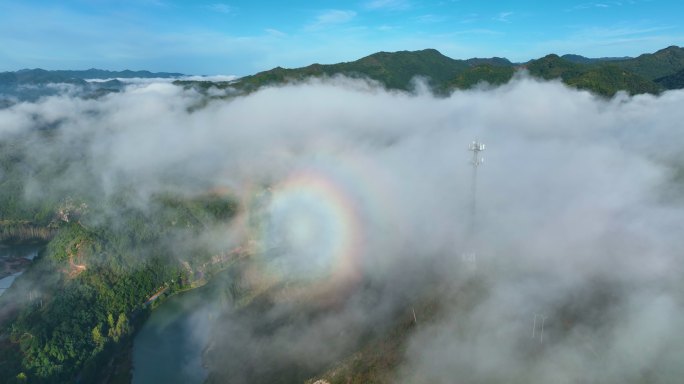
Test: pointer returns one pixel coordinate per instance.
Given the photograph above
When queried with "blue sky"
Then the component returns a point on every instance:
(243, 37)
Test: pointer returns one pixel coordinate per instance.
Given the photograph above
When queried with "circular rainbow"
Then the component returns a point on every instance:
(310, 229)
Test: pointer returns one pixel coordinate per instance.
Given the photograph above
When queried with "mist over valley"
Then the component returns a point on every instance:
(325, 227)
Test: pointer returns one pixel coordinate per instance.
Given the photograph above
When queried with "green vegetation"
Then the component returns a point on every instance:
(608, 79)
(394, 70)
(96, 280)
(76, 307)
(485, 73)
(674, 81)
(655, 65)
(31, 84)
(648, 73)
(553, 67)
(41, 76)
(577, 59)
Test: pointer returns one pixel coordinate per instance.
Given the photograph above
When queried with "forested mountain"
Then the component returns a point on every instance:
(652, 66)
(396, 70)
(674, 81)
(647, 73)
(31, 84)
(579, 59)
(42, 76)
(605, 78)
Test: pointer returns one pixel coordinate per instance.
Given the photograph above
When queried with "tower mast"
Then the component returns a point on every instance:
(470, 256)
(476, 148)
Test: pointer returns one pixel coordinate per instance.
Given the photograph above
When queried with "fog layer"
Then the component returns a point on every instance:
(579, 219)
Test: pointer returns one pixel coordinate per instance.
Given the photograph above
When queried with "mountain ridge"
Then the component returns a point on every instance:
(647, 73)
(37, 75)
(604, 76)
(30, 84)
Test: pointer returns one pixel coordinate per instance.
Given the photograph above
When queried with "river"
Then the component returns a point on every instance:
(14, 259)
(168, 348)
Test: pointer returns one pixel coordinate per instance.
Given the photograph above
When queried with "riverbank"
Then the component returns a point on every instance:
(121, 367)
(25, 232)
(15, 260)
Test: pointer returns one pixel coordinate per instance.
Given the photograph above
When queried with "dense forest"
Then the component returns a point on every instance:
(85, 294)
(648, 73)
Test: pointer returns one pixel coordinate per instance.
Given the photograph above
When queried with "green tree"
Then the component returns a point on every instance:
(97, 337)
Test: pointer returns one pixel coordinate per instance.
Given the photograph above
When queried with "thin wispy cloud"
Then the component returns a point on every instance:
(600, 5)
(275, 32)
(581, 7)
(615, 40)
(614, 32)
(156, 3)
(147, 3)
(431, 18)
(386, 28)
(388, 4)
(478, 31)
(331, 17)
(220, 8)
(503, 17)
(469, 18)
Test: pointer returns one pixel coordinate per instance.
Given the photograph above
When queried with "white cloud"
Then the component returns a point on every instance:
(210, 78)
(574, 216)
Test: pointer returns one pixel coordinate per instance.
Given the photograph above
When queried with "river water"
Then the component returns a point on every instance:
(14, 259)
(168, 348)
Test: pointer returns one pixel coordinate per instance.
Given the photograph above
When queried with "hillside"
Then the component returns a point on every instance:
(647, 73)
(41, 76)
(579, 59)
(80, 300)
(553, 67)
(605, 77)
(608, 79)
(652, 66)
(491, 74)
(396, 70)
(674, 81)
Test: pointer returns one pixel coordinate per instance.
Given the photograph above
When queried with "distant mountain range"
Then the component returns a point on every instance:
(648, 73)
(30, 84)
(41, 76)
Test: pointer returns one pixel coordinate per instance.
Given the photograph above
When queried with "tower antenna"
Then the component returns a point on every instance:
(476, 147)
(470, 256)
(535, 325)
